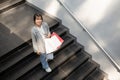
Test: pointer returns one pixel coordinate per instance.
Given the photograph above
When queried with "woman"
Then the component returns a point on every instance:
(39, 32)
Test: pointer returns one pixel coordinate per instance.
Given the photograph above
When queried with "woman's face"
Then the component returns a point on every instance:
(38, 21)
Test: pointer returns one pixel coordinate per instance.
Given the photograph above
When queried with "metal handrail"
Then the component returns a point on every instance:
(96, 42)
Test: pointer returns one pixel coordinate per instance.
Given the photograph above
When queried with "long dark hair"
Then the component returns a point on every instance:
(37, 15)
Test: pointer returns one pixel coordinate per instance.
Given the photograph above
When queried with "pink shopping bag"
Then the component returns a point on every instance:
(52, 44)
(59, 38)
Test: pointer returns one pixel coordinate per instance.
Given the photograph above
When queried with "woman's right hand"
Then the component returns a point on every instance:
(38, 52)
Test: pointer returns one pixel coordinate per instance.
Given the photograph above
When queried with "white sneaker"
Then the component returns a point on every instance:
(48, 69)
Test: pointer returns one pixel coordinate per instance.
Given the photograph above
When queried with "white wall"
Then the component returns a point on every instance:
(98, 18)
(101, 18)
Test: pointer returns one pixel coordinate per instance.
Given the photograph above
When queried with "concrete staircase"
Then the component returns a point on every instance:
(19, 62)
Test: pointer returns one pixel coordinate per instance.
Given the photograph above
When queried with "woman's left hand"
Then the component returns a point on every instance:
(49, 36)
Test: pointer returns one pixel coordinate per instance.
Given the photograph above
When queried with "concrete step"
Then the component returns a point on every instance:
(68, 40)
(14, 58)
(97, 74)
(69, 66)
(7, 4)
(19, 68)
(35, 61)
(60, 57)
(60, 30)
(83, 71)
(1, 1)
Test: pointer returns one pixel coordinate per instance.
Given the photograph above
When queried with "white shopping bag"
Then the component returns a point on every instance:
(53, 43)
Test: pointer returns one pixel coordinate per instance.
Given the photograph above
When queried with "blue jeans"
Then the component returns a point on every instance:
(43, 59)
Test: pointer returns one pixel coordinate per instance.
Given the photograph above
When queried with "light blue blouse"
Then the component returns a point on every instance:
(38, 35)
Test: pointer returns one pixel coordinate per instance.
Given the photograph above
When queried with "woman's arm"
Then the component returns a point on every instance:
(34, 42)
(48, 30)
